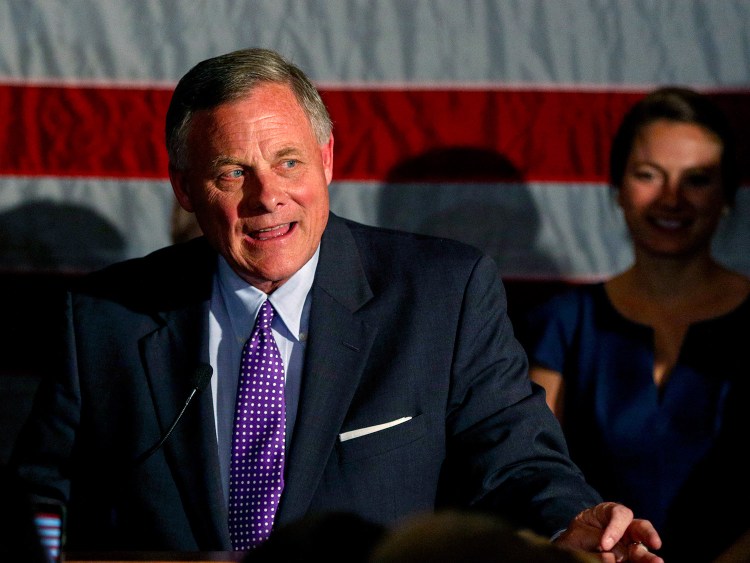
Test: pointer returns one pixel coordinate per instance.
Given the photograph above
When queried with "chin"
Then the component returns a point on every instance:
(674, 252)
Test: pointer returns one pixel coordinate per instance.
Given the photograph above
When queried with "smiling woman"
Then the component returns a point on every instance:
(647, 370)
(672, 194)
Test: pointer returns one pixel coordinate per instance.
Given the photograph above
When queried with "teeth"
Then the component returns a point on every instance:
(259, 232)
(668, 223)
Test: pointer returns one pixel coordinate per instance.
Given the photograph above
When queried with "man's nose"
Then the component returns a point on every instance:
(262, 191)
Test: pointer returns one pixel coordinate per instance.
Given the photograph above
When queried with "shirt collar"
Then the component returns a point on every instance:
(243, 301)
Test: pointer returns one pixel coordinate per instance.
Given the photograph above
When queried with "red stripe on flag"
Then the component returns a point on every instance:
(530, 135)
(99, 132)
(429, 135)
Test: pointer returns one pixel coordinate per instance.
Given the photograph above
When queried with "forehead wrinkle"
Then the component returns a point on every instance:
(233, 133)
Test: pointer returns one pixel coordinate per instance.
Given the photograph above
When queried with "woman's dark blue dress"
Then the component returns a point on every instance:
(675, 455)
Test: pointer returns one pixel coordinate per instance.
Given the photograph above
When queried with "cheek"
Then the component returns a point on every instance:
(631, 197)
(220, 205)
(710, 201)
(315, 200)
(217, 215)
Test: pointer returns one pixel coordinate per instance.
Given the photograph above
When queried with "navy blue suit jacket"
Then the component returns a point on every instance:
(401, 325)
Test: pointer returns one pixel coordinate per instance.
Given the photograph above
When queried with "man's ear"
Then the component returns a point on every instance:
(179, 182)
(326, 154)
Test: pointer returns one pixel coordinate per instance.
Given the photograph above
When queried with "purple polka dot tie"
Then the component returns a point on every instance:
(256, 476)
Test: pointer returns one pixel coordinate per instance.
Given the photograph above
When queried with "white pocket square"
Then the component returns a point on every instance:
(344, 436)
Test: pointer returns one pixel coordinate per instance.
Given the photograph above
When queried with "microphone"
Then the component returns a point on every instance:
(201, 377)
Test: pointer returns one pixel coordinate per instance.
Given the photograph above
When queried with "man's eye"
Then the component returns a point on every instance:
(289, 164)
(232, 174)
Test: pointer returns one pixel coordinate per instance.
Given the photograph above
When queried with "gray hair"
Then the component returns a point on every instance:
(228, 77)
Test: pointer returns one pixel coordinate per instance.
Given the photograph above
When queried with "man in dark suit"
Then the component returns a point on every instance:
(405, 389)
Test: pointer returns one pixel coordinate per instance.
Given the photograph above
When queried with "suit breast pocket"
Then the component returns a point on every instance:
(382, 441)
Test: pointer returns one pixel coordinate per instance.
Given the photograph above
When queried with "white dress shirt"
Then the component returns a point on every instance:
(233, 309)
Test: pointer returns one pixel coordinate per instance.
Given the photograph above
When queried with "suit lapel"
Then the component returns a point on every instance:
(338, 348)
(171, 355)
(337, 353)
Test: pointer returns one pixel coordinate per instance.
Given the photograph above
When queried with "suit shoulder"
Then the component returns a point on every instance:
(167, 272)
(407, 244)
(394, 260)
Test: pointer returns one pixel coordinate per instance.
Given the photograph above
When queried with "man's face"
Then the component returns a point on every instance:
(257, 180)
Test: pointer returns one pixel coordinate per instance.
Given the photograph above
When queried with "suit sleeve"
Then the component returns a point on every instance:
(43, 450)
(506, 452)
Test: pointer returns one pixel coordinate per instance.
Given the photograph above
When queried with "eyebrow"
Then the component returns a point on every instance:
(288, 151)
(220, 161)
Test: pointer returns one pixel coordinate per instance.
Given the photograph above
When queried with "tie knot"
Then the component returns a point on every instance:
(265, 316)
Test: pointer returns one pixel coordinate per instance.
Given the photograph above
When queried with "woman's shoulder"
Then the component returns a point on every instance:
(734, 302)
(573, 300)
(554, 328)
(562, 315)
(739, 286)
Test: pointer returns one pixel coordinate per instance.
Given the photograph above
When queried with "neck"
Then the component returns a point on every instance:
(668, 277)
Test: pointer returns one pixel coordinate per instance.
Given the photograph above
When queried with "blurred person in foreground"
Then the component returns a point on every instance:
(403, 386)
(470, 537)
(647, 371)
(432, 537)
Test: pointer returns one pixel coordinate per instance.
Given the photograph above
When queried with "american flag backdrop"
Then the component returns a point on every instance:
(483, 120)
